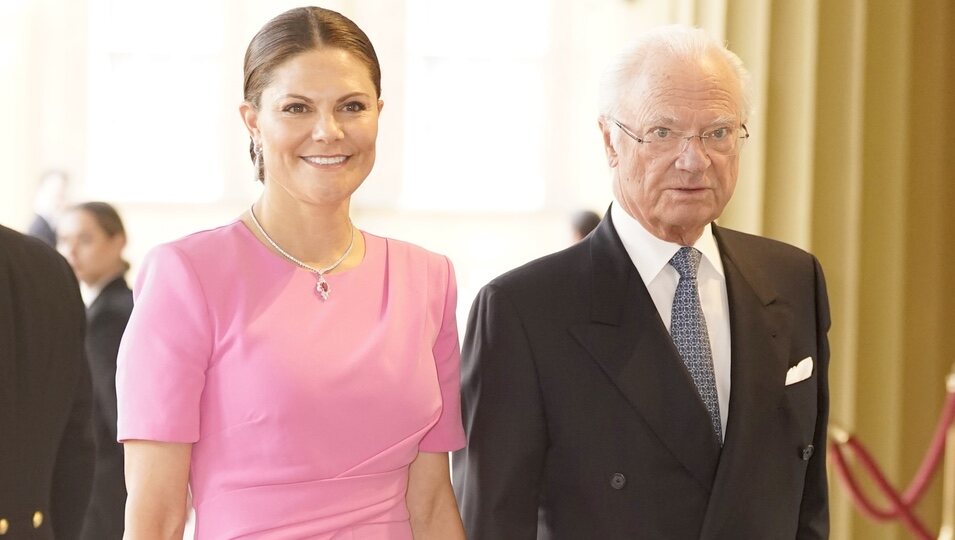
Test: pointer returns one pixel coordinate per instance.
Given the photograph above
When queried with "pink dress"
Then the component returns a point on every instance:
(305, 414)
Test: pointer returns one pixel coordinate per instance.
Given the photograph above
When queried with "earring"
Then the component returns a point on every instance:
(259, 172)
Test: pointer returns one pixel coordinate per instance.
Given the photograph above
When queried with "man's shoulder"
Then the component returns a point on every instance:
(548, 275)
(13, 241)
(759, 247)
(46, 288)
(32, 254)
(771, 265)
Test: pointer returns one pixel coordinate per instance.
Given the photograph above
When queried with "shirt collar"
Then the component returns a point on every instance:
(91, 292)
(650, 255)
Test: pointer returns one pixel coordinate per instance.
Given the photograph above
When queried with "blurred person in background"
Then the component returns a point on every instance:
(582, 222)
(48, 202)
(91, 236)
(46, 446)
(300, 375)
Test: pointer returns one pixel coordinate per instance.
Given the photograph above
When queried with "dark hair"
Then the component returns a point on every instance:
(105, 215)
(585, 221)
(297, 31)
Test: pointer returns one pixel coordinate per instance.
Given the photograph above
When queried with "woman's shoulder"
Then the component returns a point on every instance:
(210, 253)
(200, 242)
(404, 251)
(204, 246)
(410, 263)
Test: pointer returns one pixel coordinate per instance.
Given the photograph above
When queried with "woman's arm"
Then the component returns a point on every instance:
(434, 512)
(157, 476)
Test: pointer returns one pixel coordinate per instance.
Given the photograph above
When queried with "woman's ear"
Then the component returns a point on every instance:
(116, 244)
(250, 117)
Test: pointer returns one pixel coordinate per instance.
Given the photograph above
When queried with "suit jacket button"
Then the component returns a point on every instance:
(806, 452)
(617, 481)
(37, 519)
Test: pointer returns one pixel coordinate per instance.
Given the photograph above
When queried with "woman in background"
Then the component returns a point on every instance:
(300, 375)
(91, 236)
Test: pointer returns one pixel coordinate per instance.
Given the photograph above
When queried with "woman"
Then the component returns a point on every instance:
(91, 236)
(300, 373)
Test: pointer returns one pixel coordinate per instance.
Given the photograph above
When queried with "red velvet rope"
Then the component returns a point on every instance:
(900, 504)
(898, 509)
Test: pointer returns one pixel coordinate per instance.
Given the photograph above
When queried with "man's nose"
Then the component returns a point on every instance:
(693, 156)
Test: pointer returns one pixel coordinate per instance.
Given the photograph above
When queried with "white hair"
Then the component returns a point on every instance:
(677, 42)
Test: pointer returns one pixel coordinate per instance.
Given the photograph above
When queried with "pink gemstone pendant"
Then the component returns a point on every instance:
(321, 287)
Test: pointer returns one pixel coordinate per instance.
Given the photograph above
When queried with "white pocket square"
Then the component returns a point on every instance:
(800, 371)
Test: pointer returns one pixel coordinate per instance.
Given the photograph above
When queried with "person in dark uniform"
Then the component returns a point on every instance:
(582, 222)
(91, 236)
(46, 446)
(49, 202)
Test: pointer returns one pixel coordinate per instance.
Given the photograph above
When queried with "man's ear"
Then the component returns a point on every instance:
(608, 142)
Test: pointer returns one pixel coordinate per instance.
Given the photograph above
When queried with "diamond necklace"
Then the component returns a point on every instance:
(321, 286)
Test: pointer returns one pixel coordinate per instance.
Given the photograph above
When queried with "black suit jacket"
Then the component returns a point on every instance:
(46, 447)
(582, 421)
(41, 228)
(106, 320)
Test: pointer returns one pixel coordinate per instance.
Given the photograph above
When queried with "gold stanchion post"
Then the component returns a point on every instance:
(948, 479)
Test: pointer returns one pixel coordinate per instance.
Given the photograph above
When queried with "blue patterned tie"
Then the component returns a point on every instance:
(688, 330)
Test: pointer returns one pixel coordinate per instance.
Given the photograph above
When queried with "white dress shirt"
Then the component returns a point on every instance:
(651, 256)
(91, 292)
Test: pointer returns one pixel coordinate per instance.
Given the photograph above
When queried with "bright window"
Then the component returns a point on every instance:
(476, 102)
(156, 112)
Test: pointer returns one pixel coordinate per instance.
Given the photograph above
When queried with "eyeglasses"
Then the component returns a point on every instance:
(723, 141)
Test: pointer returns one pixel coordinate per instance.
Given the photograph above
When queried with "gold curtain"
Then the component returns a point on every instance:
(852, 158)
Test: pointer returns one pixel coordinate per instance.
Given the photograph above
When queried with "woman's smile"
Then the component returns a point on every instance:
(326, 162)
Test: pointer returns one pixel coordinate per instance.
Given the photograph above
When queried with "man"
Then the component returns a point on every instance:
(665, 378)
(46, 446)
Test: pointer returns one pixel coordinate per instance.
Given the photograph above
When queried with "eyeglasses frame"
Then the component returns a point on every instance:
(686, 138)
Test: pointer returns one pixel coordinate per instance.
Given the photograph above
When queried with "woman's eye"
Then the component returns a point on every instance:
(295, 108)
(354, 106)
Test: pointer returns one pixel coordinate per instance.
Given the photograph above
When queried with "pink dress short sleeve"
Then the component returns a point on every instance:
(304, 413)
(170, 331)
(448, 434)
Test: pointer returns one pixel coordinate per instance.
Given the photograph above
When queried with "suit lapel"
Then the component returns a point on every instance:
(631, 344)
(93, 311)
(759, 338)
